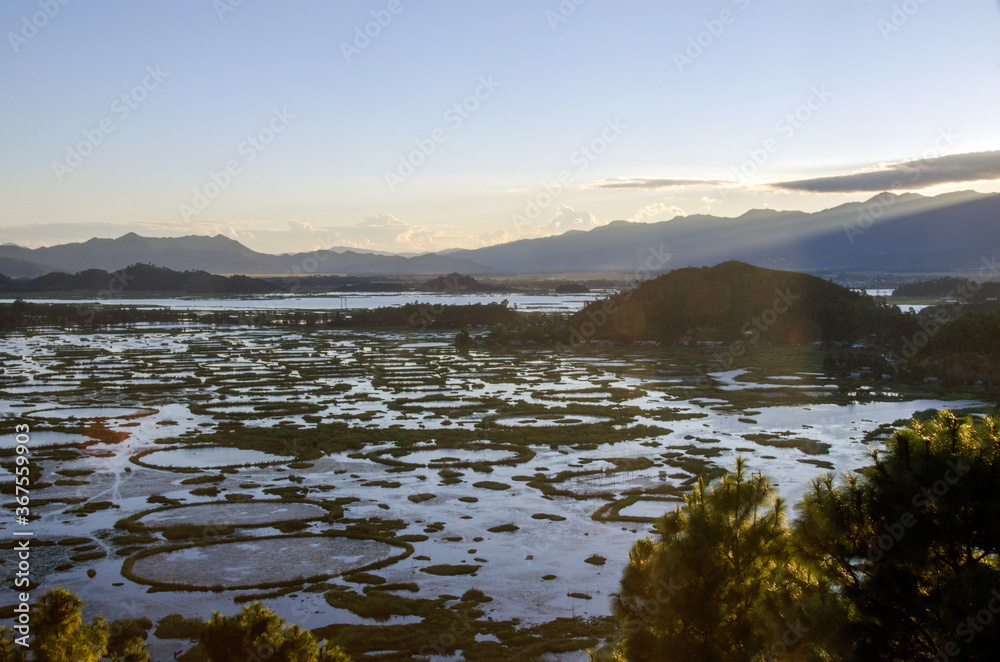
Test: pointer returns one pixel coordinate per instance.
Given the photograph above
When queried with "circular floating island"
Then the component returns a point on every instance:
(47, 438)
(206, 457)
(264, 562)
(467, 455)
(226, 513)
(90, 413)
(540, 420)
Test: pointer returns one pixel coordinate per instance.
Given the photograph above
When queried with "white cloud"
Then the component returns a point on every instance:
(656, 212)
(567, 218)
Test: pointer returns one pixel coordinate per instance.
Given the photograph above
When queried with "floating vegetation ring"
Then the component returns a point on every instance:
(185, 459)
(261, 562)
(90, 413)
(463, 456)
(591, 394)
(263, 409)
(612, 512)
(550, 420)
(525, 414)
(229, 513)
(438, 403)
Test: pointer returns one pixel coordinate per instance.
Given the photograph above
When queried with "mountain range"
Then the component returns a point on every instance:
(890, 233)
(218, 254)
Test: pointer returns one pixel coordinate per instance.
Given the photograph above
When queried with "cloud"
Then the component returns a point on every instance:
(382, 221)
(651, 183)
(658, 211)
(907, 175)
(567, 219)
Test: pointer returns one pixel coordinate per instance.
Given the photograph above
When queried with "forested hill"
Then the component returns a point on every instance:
(139, 278)
(737, 301)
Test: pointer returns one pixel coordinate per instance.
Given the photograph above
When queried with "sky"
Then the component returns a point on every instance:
(416, 126)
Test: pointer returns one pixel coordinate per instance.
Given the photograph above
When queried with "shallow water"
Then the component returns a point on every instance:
(234, 514)
(204, 457)
(261, 561)
(376, 379)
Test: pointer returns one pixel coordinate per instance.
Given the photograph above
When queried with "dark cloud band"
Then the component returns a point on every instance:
(652, 183)
(908, 175)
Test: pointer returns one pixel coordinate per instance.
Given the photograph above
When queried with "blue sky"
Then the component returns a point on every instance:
(534, 117)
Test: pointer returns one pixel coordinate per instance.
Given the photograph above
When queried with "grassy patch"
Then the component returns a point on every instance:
(364, 578)
(175, 626)
(548, 516)
(504, 528)
(491, 485)
(447, 570)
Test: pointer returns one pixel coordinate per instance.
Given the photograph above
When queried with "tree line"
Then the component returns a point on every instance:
(60, 634)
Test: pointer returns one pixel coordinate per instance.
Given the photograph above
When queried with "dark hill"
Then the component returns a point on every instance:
(453, 282)
(140, 278)
(736, 301)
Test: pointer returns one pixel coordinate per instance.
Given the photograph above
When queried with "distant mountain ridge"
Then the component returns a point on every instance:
(219, 255)
(890, 233)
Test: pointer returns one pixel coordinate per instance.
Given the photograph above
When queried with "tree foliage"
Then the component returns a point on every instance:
(697, 592)
(61, 635)
(913, 545)
(899, 563)
(257, 632)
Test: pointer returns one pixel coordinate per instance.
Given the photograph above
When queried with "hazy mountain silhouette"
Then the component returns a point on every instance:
(905, 233)
(219, 255)
(889, 233)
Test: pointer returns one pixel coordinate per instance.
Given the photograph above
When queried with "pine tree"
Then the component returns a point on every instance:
(257, 632)
(701, 591)
(10, 651)
(913, 545)
(60, 633)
